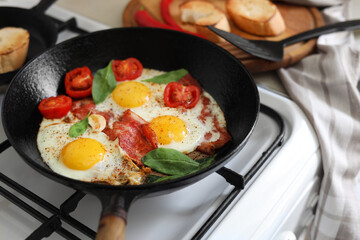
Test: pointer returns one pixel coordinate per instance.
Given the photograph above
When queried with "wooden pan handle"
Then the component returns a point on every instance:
(112, 225)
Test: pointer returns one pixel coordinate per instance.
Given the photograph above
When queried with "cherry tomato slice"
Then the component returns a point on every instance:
(176, 95)
(78, 82)
(128, 69)
(188, 80)
(55, 107)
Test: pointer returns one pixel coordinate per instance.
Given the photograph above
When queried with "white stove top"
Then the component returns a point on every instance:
(258, 212)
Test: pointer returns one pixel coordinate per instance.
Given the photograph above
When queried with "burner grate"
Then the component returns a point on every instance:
(70, 24)
(49, 224)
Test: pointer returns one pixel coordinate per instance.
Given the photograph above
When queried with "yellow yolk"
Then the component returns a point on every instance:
(82, 153)
(168, 129)
(131, 94)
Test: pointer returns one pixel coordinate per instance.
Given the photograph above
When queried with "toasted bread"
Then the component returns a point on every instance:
(259, 17)
(202, 13)
(14, 44)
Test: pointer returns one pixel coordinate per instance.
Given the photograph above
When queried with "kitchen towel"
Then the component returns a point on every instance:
(324, 85)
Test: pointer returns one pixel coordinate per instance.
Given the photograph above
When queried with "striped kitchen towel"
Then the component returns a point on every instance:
(324, 85)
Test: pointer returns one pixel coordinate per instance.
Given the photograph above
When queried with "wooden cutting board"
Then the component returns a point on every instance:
(297, 19)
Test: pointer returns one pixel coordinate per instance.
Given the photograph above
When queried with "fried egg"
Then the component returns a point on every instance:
(92, 157)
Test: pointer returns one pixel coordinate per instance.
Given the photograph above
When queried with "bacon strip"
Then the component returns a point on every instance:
(210, 147)
(205, 112)
(80, 108)
(135, 136)
(206, 146)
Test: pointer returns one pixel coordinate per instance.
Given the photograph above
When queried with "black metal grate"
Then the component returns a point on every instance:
(49, 224)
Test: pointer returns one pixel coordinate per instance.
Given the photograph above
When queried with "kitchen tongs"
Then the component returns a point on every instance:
(274, 50)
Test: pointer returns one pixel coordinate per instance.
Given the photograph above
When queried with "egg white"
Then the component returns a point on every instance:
(53, 137)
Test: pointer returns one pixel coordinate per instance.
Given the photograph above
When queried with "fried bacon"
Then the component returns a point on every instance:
(135, 136)
(207, 146)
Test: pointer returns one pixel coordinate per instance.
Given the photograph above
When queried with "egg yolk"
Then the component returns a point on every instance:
(82, 153)
(168, 129)
(131, 94)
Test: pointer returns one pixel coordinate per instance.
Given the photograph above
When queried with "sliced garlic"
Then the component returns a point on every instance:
(136, 178)
(97, 122)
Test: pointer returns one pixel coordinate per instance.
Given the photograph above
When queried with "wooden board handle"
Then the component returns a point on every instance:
(111, 227)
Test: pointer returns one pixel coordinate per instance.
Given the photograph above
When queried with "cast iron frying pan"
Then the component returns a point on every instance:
(221, 74)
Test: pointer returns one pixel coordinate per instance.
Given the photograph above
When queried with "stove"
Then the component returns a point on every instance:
(267, 191)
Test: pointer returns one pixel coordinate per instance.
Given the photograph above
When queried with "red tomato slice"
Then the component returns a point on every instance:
(55, 107)
(188, 80)
(128, 69)
(176, 95)
(78, 82)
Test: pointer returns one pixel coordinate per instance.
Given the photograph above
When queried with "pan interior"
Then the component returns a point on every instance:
(218, 72)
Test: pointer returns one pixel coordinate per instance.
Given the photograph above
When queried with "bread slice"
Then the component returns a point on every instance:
(259, 17)
(14, 44)
(202, 13)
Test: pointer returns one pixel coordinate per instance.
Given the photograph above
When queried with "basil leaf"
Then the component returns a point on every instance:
(151, 157)
(80, 127)
(103, 84)
(170, 162)
(172, 76)
(152, 178)
(205, 162)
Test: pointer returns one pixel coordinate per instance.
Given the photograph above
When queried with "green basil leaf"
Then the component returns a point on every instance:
(152, 178)
(103, 84)
(172, 76)
(205, 162)
(170, 162)
(80, 127)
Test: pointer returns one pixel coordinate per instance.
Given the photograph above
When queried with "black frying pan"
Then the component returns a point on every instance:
(43, 31)
(221, 74)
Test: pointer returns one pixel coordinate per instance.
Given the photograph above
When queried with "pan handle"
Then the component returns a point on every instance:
(112, 225)
(4, 145)
(43, 5)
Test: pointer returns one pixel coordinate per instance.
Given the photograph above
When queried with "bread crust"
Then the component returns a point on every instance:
(14, 45)
(202, 13)
(267, 21)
